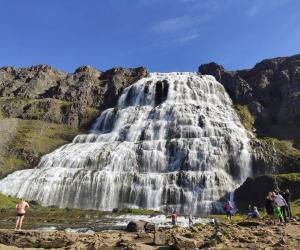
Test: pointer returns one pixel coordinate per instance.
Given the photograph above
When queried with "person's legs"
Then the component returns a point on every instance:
(289, 210)
(283, 211)
(17, 222)
(21, 221)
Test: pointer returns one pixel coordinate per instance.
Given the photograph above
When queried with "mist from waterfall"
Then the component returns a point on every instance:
(173, 141)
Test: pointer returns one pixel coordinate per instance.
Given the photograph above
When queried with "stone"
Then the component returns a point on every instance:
(136, 226)
(182, 242)
(150, 227)
(160, 238)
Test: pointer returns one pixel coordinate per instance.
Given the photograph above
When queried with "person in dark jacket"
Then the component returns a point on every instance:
(287, 197)
(270, 205)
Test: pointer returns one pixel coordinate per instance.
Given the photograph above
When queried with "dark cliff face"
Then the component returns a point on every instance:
(42, 108)
(271, 92)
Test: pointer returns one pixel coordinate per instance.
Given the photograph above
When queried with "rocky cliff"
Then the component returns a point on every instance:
(42, 108)
(267, 98)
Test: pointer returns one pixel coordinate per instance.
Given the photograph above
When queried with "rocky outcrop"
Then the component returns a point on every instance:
(42, 108)
(271, 92)
(44, 93)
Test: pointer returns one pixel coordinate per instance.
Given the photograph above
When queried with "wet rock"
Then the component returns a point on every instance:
(136, 226)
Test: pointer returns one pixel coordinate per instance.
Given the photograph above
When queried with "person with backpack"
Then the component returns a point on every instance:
(21, 210)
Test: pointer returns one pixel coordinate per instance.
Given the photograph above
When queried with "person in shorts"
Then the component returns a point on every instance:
(21, 210)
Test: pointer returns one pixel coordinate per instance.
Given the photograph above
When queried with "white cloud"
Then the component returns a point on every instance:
(186, 27)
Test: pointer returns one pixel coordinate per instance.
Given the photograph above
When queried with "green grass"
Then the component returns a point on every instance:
(31, 140)
(245, 116)
(283, 147)
(295, 207)
(8, 202)
(137, 211)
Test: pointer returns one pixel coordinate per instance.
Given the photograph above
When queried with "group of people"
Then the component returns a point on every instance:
(278, 206)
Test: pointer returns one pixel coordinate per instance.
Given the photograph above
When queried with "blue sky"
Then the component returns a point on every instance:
(162, 35)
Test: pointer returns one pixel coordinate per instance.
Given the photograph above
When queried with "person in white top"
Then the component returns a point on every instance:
(21, 210)
(280, 201)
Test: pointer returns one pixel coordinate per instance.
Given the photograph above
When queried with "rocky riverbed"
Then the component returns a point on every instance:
(223, 235)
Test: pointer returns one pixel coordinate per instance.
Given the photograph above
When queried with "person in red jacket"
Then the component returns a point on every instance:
(174, 217)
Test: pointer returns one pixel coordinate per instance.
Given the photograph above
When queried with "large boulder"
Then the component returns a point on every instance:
(136, 226)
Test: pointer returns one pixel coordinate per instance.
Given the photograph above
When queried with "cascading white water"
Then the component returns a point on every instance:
(173, 141)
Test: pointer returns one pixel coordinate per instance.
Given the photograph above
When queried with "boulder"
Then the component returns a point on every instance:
(160, 238)
(150, 227)
(184, 243)
(136, 226)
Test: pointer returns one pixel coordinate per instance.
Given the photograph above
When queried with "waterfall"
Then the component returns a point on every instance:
(173, 141)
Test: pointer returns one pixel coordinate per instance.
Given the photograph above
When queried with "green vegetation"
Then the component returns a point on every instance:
(283, 148)
(137, 211)
(31, 140)
(8, 202)
(246, 117)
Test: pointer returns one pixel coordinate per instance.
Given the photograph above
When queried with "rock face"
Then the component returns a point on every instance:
(44, 93)
(42, 108)
(271, 92)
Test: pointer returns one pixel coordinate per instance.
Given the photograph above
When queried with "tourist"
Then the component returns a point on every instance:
(287, 197)
(254, 214)
(21, 210)
(190, 220)
(270, 205)
(280, 201)
(228, 210)
(174, 218)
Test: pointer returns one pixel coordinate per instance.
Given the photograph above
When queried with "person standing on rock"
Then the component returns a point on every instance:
(280, 201)
(287, 197)
(21, 210)
(174, 218)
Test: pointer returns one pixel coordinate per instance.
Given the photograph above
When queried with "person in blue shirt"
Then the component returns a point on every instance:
(254, 214)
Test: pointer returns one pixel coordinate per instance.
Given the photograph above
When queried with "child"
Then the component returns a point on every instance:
(278, 213)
